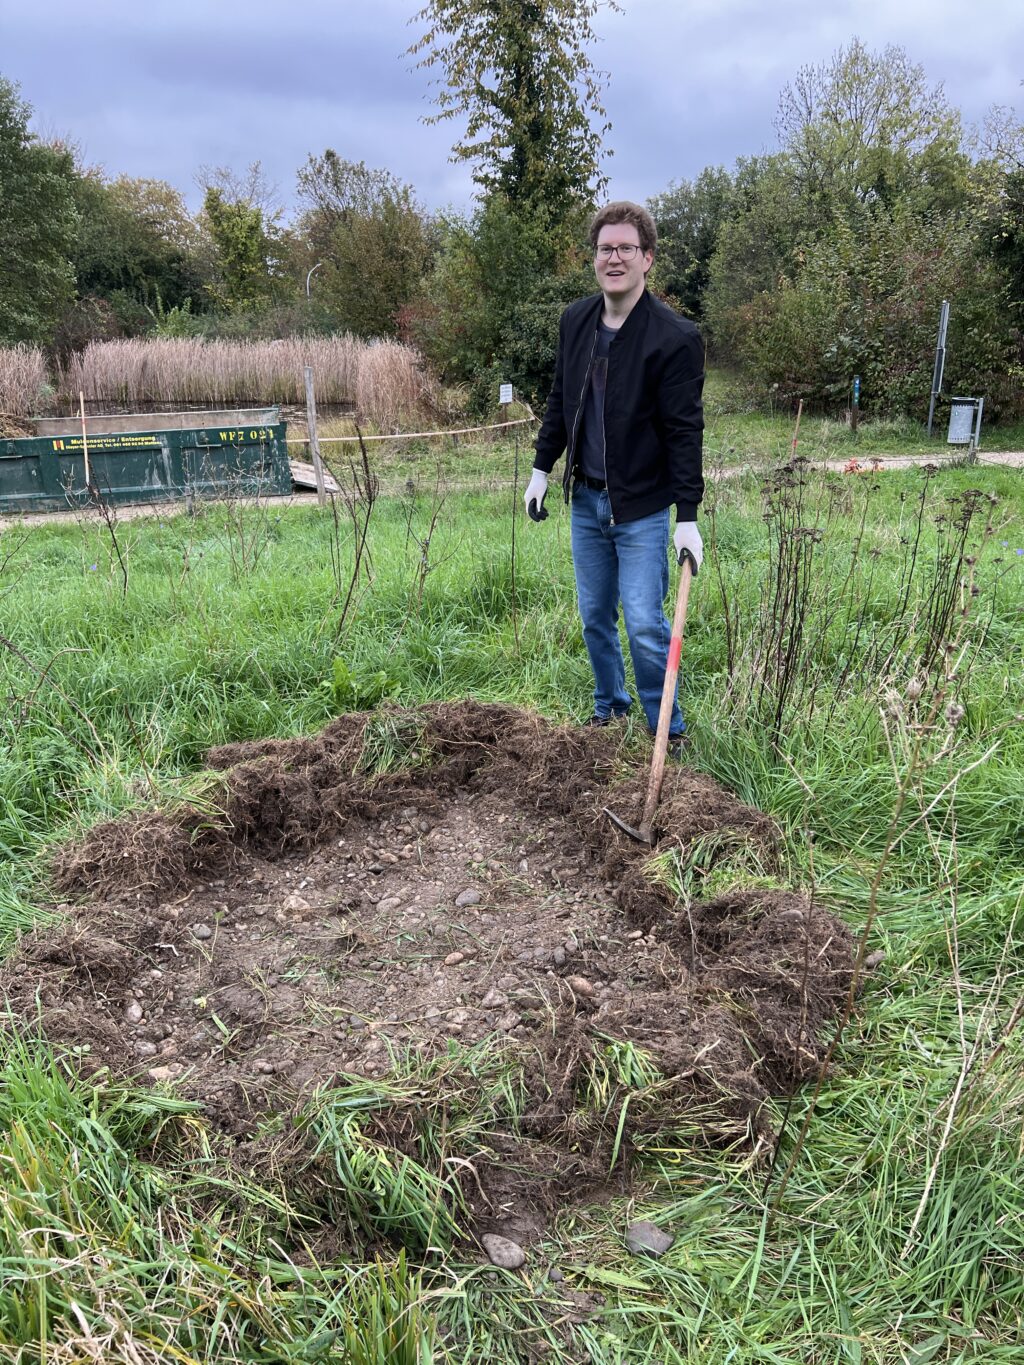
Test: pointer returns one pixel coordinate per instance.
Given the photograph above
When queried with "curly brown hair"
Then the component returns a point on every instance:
(624, 211)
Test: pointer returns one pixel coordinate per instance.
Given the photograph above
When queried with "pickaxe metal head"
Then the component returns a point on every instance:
(646, 834)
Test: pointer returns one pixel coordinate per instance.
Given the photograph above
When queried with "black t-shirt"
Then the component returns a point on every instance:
(592, 434)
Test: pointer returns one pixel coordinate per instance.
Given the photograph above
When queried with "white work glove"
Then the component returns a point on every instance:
(536, 490)
(688, 542)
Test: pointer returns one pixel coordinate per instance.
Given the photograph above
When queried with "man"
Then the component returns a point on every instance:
(625, 407)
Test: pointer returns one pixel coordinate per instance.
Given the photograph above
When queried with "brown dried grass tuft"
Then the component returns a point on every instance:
(391, 388)
(24, 382)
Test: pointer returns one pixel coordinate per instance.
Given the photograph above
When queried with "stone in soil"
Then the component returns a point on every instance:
(468, 897)
(503, 1252)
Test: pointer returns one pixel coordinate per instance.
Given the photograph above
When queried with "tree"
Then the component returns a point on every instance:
(244, 248)
(758, 245)
(37, 226)
(689, 217)
(371, 237)
(519, 73)
(137, 247)
(490, 307)
(866, 126)
(865, 300)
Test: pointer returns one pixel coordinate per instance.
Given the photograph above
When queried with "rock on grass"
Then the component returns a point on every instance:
(503, 1252)
(645, 1238)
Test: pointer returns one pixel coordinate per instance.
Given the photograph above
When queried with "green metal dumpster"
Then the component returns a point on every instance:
(48, 473)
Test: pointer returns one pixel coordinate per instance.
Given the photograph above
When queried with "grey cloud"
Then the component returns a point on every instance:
(160, 90)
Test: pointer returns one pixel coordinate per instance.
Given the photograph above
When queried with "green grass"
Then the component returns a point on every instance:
(741, 428)
(123, 1230)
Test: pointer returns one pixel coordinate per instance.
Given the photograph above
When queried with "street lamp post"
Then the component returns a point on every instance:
(311, 274)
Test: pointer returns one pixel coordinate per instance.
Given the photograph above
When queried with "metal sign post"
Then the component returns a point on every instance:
(940, 361)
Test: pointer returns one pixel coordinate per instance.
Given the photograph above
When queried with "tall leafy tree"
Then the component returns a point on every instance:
(867, 127)
(243, 252)
(689, 216)
(371, 237)
(520, 74)
(37, 226)
(136, 243)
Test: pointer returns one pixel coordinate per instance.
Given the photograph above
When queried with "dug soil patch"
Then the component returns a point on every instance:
(441, 883)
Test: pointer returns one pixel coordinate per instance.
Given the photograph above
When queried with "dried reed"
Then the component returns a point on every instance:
(384, 380)
(23, 380)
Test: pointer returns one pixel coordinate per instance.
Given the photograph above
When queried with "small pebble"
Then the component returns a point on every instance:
(145, 1048)
(634, 934)
(555, 1275)
(471, 896)
(295, 903)
(165, 1073)
(558, 957)
(503, 1252)
(202, 931)
(133, 1013)
(494, 999)
(389, 903)
(874, 959)
(579, 985)
(453, 959)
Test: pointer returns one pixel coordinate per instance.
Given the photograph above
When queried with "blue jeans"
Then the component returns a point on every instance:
(629, 564)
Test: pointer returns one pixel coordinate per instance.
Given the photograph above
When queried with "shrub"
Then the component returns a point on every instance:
(864, 299)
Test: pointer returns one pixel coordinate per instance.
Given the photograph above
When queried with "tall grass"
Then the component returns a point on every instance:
(385, 380)
(23, 380)
(900, 1233)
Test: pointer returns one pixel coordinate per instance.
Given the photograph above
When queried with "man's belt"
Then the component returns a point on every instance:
(598, 485)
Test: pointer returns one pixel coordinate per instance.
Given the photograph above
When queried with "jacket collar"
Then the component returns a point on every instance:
(640, 309)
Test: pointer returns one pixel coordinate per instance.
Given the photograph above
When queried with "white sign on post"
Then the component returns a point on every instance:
(505, 393)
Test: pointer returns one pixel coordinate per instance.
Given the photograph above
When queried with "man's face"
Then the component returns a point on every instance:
(616, 276)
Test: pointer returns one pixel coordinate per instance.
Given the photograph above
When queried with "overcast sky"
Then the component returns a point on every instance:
(159, 89)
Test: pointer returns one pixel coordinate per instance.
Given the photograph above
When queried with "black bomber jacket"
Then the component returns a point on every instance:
(653, 417)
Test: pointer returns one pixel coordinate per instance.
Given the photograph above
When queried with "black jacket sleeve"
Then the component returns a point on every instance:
(681, 415)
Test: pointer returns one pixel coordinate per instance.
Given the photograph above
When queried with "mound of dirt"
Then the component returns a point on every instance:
(12, 427)
(329, 921)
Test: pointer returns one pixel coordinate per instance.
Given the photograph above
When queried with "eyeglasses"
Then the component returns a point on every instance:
(626, 252)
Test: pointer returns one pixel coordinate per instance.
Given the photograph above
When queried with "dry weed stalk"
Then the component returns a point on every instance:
(359, 495)
(910, 727)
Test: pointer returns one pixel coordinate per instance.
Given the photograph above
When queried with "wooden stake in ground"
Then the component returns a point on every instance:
(314, 443)
(796, 429)
(85, 438)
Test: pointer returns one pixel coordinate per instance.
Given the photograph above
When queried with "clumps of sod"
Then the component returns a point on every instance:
(276, 795)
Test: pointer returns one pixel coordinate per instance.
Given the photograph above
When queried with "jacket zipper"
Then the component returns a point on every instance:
(604, 438)
(576, 424)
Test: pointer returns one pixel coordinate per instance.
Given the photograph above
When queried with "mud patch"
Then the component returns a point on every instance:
(461, 935)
